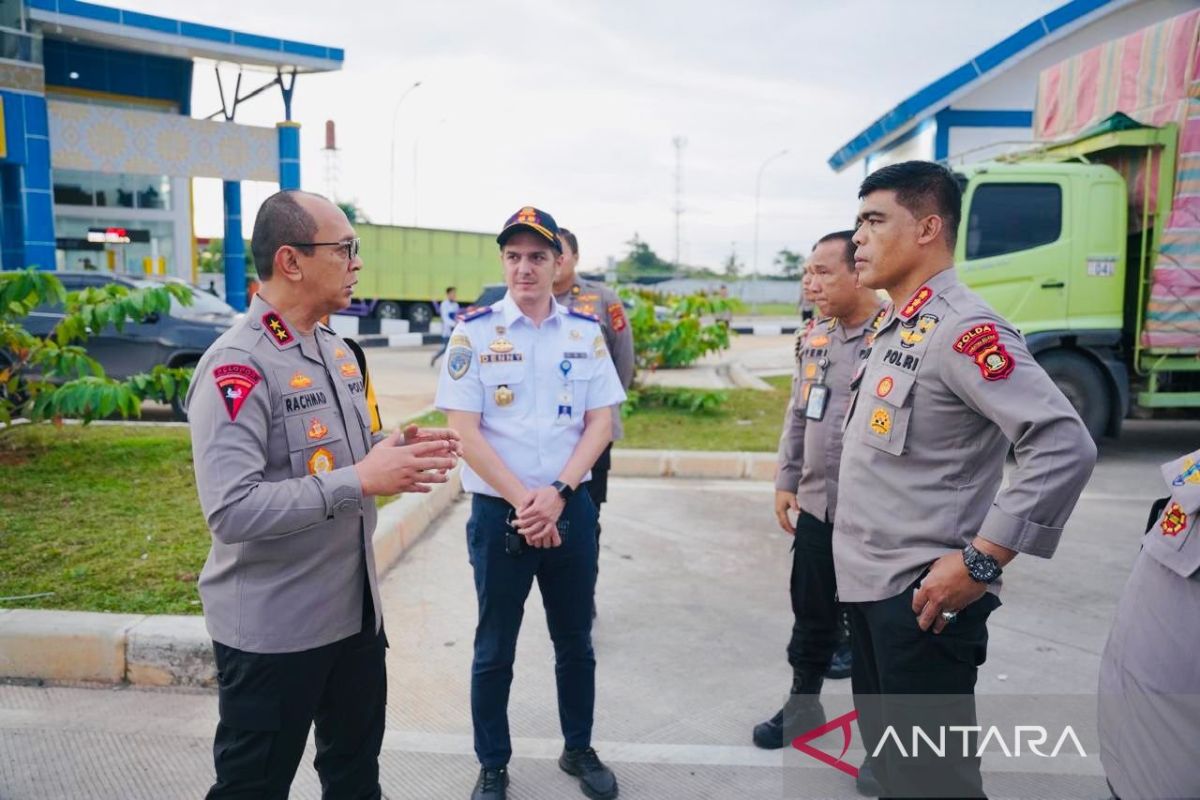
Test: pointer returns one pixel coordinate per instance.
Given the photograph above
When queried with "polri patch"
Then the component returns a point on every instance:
(1174, 520)
(235, 382)
(616, 317)
(280, 334)
(458, 361)
(981, 342)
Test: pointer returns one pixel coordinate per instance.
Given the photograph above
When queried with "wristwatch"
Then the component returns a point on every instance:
(982, 567)
(564, 490)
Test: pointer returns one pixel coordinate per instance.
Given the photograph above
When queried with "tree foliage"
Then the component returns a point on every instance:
(642, 261)
(52, 378)
(669, 332)
(789, 263)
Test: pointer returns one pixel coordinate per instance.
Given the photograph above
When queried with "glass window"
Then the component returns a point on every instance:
(77, 188)
(73, 187)
(1007, 217)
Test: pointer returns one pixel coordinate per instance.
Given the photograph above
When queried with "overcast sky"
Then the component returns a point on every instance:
(572, 105)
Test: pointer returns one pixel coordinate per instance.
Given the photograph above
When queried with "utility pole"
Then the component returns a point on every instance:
(679, 142)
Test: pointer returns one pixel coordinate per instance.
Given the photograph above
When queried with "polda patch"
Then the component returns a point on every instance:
(616, 317)
(235, 382)
(981, 342)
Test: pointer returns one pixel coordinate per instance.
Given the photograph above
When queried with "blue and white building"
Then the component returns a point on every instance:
(984, 107)
(98, 142)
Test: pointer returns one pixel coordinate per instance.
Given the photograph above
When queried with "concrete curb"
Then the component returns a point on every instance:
(169, 650)
(175, 650)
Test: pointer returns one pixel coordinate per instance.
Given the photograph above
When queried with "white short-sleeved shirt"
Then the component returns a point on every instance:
(530, 385)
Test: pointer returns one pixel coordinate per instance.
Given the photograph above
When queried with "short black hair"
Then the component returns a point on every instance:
(449, 289)
(569, 237)
(280, 220)
(923, 188)
(846, 237)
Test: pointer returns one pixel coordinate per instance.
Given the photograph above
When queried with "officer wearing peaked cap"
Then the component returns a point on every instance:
(923, 526)
(1149, 720)
(530, 387)
(287, 468)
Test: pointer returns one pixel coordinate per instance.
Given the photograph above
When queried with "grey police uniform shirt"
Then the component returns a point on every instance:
(947, 385)
(827, 353)
(1174, 541)
(278, 421)
(605, 304)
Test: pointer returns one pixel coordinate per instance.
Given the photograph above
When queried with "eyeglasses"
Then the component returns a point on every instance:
(349, 247)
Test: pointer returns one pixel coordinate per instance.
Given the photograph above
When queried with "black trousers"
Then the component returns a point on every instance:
(904, 677)
(816, 626)
(268, 702)
(598, 485)
(566, 577)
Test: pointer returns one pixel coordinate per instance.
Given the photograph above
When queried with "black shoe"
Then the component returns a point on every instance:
(801, 713)
(491, 785)
(596, 780)
(839, 667)
(866, 783)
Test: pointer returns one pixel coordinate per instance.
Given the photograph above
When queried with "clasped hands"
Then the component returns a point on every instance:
(409, 460)
(537, 517)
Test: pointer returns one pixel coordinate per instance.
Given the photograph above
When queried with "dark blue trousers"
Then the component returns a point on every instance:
(566, 577)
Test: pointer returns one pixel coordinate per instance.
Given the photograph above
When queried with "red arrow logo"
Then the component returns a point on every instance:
(801, 743)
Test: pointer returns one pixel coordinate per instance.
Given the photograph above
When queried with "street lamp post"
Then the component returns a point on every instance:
(395, 115)
(757, 195)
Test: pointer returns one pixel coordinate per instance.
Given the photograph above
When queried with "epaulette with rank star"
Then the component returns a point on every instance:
(582, 315)
(276, 329)
(475, 313)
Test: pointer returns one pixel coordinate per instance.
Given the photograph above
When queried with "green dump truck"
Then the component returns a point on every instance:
(406, 270)
(1090, 243)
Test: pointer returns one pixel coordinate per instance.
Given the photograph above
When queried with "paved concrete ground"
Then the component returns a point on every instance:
(693, 623)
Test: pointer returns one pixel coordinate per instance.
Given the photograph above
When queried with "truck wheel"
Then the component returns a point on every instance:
(388, 310)
(419, 317)
(1084, 385)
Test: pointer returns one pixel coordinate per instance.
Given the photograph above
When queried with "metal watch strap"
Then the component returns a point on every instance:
(981, 566)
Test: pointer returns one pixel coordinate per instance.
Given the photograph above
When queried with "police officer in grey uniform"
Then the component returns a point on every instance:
(923, 527)
(287, 469)
(530, 387)
(806, 483)
(597, 299)
(1150, 674)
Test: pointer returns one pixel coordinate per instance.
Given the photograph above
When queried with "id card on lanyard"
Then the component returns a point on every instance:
(818, 395)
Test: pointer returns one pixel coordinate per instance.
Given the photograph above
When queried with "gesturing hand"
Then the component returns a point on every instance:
(393, 467)
(947, 587)
(537, 518)
(414, 435)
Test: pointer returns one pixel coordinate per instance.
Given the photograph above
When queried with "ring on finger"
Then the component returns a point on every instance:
(949, 616)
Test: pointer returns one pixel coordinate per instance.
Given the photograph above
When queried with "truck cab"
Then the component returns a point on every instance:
(1045, 244)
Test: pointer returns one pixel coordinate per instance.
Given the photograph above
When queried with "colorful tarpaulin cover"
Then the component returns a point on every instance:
(1152, 75)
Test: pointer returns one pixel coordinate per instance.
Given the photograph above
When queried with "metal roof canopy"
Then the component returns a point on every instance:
(147, 33)
(989, 64)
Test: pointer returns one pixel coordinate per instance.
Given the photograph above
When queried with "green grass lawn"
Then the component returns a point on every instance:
(105, 517)
(772, 310)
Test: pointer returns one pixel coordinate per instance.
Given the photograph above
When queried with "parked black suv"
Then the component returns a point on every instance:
(176, 339)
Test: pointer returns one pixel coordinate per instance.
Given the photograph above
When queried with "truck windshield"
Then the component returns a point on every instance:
(1007, 217)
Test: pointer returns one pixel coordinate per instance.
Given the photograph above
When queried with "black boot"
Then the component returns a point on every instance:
(802, 712)
(867, 783)
(596, 780)
(839, 665)
(492, 784)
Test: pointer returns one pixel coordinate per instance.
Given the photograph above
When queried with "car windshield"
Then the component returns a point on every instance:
(202, 301)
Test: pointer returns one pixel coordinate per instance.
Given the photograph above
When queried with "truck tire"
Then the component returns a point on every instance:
(388, 309)
(1084, 385)
(419, 317)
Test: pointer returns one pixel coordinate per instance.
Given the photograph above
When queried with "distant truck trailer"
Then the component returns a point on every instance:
(406, 271)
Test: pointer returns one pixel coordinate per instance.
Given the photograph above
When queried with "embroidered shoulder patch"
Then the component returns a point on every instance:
(475, 313)
(280, 334)
(616, 317)
(458, 361)
(235, 382)
(981, 342)
(1174, 520)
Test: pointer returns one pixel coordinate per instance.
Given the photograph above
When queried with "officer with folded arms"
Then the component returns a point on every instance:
(530, 388)
(827, 353)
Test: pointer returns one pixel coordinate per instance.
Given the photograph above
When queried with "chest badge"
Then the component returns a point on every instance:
(1174, 520)
(300, 381)
(349, 369)
(884, 387)
(810, 370)
(320, 461)
(881, 421)
(501, 345)
(339, 352)
(575, 335)
(317, 429)
(598, 348)
(819, 341)
(503, 396)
